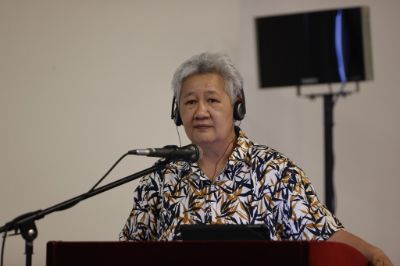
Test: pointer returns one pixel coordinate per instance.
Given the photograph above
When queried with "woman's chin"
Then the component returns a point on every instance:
(204, 140)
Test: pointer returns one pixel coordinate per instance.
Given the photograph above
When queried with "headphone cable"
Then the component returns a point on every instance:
(179, 136)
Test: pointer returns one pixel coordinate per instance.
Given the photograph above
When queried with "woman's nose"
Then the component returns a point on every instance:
(201, 111)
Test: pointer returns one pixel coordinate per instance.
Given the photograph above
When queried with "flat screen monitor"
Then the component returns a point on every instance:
(314, 47)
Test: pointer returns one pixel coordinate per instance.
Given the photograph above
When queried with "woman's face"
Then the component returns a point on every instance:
(206, 110)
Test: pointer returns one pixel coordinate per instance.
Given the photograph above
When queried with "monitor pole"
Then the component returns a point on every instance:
(330, 99)
(329, 104)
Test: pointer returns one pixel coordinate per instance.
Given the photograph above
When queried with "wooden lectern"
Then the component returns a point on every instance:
(203, 253)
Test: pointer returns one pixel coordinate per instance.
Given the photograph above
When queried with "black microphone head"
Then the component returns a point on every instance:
(190, 153)
(194, 154)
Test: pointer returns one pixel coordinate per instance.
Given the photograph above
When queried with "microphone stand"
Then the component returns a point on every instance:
(25, 223)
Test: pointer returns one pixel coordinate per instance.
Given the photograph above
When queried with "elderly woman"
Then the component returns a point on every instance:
(236, 181)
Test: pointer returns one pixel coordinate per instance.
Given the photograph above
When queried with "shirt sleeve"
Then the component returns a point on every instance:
(304, 216)
(142, 221)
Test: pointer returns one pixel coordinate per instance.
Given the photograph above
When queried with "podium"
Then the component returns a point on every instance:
(314, 253)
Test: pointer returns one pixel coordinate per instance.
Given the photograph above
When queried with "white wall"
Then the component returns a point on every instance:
(82, 82)
(367, 124)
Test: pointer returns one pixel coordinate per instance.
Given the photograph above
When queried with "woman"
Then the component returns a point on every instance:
(236, 181)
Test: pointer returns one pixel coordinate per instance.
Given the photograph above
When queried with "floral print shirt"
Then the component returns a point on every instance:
(258, 186)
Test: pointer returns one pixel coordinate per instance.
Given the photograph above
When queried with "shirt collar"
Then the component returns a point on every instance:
(241, 151)
(239, 154)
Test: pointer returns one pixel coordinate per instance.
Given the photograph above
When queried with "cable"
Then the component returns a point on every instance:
(340, 93)
(339, 46)
(179, 136)
(108, 172)
(70, 205)
(2, 248)
(222, 156)
(84, 196)
(333, 194)
(340, 53)
(97, 183)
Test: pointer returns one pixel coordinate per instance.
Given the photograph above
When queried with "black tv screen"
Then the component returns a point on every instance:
(314, 47)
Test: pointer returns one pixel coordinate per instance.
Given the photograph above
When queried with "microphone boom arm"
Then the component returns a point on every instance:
(25, 223)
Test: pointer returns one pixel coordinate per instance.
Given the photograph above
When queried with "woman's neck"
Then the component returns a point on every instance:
(214, 158)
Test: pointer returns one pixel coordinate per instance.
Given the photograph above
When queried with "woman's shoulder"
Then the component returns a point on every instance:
(257, 151)
(266, 153)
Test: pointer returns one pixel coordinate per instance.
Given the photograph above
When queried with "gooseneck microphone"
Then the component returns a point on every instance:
(190, 153)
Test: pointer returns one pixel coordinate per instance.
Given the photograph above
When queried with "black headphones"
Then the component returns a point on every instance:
(239, 109)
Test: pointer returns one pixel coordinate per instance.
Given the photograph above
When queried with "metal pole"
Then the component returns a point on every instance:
(329, 158)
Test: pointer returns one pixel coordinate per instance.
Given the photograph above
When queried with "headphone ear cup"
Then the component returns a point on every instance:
(177, 117)
(175, 113)
(239, 110)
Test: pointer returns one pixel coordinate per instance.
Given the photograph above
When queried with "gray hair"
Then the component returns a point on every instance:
(204, 63)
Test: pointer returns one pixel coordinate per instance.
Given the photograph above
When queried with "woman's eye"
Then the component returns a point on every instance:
(190, 102)
(212, 100)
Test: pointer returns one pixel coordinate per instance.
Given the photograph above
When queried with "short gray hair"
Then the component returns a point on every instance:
(205, 63)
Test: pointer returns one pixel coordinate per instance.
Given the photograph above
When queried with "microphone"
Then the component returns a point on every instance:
(190, 153)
